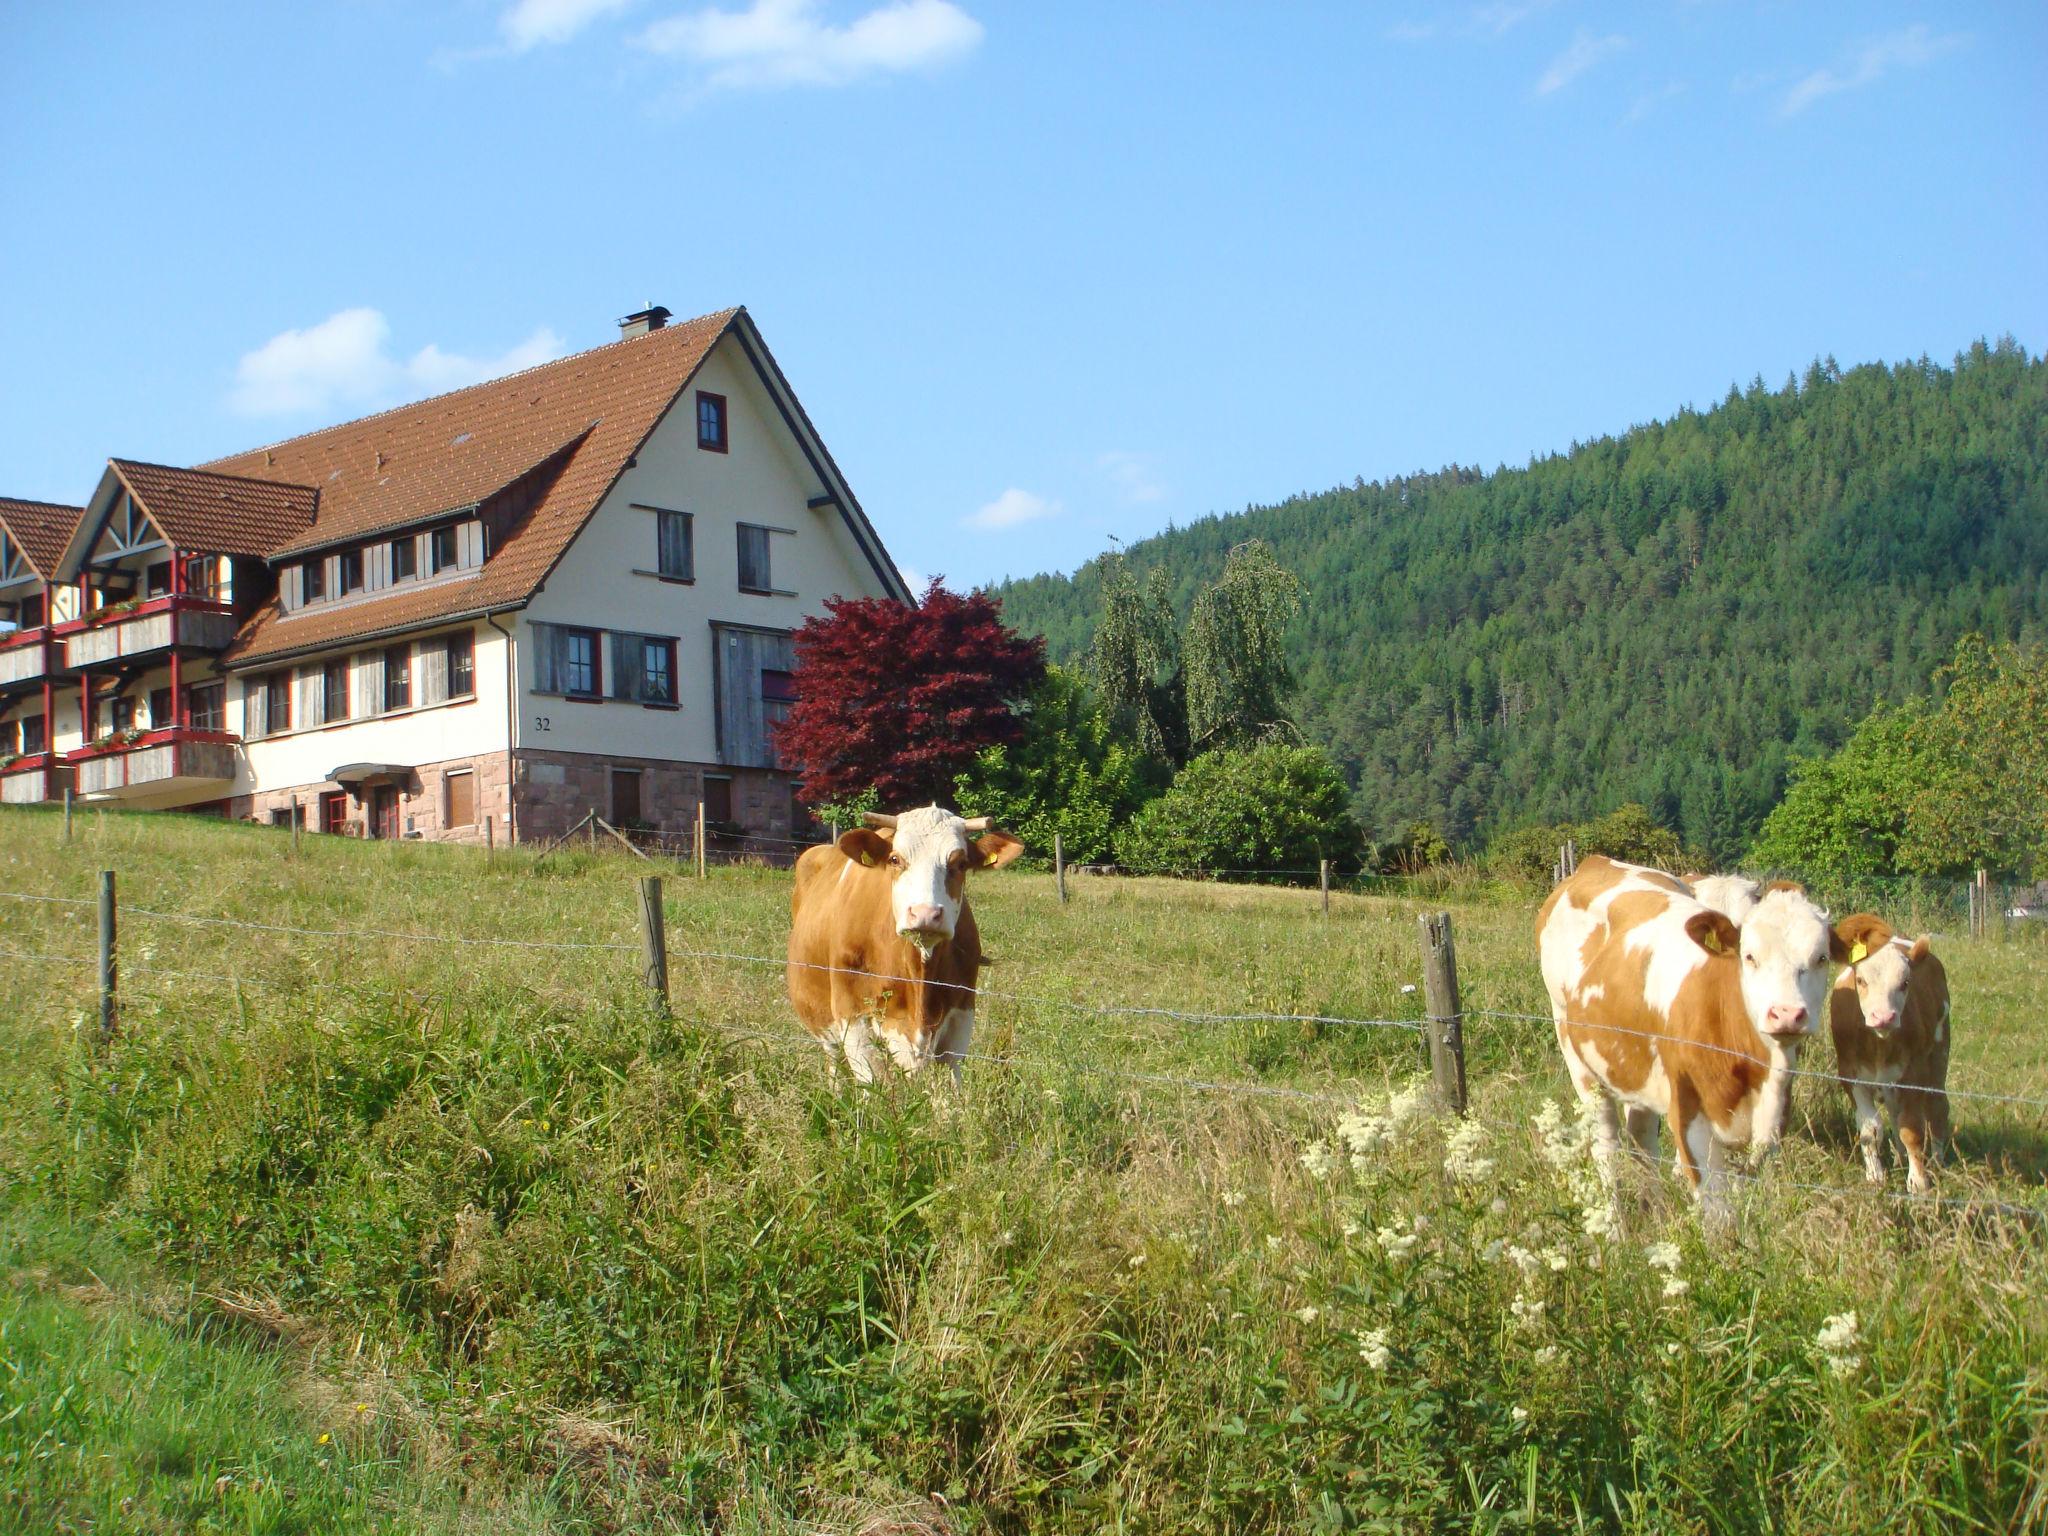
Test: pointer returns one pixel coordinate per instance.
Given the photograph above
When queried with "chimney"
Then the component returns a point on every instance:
(641, 321)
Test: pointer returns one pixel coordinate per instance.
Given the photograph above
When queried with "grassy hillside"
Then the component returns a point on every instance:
(1665, 616)
(617, 1272)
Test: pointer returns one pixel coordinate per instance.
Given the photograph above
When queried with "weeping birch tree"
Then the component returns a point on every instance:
(1238, 679)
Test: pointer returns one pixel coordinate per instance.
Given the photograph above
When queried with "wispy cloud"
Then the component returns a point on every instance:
(1648, 101)
(1585, 52)
(1911, 48)
(346, 362)
(776, 43)
(532, 23)
(1494, 19)
(1132, 475)
(1013, 507)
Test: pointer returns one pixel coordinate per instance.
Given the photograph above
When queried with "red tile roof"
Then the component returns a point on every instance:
(41, 528)
(221, 514)
(403, 466)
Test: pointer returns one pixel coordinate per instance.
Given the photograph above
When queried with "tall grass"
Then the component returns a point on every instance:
(1072, 1297)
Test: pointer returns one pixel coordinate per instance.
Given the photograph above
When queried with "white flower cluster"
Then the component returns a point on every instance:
(1377, 1124)
(1396, 1243)
(1838, 1338)
(1374, 1350)
(1566, 1147)
(1306, 1315)
(1666, 1257)
(1528, 1314)
(1318, 1159)
(1461, 1148)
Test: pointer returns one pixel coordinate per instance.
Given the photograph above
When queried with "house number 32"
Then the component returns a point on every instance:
(540, 723)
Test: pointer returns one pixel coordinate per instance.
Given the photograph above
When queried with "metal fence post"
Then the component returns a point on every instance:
(1059, 868)
(67, 815)
(109, 974)
(1445, 1024)
(653, 941)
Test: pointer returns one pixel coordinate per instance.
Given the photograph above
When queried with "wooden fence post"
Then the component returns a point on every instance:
(1445, 1024)
(109, 974)
(1326, 886)
(653, 941)
(298, 817)
(702, 860)
(1059, 868)
(490, 840)
(67, 815)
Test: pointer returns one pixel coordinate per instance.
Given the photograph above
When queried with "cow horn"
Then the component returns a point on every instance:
(978, 823)
(877, 819)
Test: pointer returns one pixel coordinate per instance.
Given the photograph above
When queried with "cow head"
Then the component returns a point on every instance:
(1782, 952)
(1882, 965)
(928, 855)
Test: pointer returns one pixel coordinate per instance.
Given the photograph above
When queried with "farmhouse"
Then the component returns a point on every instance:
(568, 590)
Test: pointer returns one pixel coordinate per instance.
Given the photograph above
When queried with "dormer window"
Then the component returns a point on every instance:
(404, 559)
(313, 580)
(442, 551)
(351, 573)
(711, 421)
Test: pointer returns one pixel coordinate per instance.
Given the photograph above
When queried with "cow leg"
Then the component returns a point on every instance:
(1642, 1132)
(1599, 1105)
(1910, 1115)
(1711, 1159)
(954, 1038)
(853, 1040)
(1869, 1130)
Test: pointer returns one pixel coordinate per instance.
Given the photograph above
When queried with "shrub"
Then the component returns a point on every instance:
(1065, 775)
(1275, 807)
(1629, 833)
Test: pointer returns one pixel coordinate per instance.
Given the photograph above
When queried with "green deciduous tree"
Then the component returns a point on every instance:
(1065, 774)
(1238, 676)
(1274, 807)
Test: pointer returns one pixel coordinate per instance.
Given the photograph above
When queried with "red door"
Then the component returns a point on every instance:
(334, 812)
(384, 811)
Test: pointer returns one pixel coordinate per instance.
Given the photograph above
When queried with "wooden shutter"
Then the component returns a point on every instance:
(628, 670)
(469, 545)
(547, 661)
(309, 704)
(255, 719)
(430, 673)
(461, 799)
(742, 720)
(369, 684)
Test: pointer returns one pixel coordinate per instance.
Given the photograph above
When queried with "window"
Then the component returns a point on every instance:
(288, 815)
(29, 612)
(405, 558)
(277, 702)
(156, 579)
(754, 559)
(160, 708)
(461, 799)
(441, 548)
(202, 577)
(676, 554)
(334, 698)
(32, 738)
(10, 739)
(121, 714)
(717, 798)
(657, 671)
(313, 581)
(334, 812)
(206, 706)
(351, 569)
(461, 664)
(711, 421)
(582, 670)
(625, 796)
(398, 677)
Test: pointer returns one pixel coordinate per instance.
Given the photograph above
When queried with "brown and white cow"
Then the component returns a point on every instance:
(1889, 1014)
(1734, 896)
(882, 943)
(1665, 1006)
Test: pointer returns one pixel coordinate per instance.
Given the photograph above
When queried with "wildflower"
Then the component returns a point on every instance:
(1232, 1199)
(1838, 1338)
(1528, 1314)
(1491, 1251)
(1396, 1243)
(1137, 1261)
(1499, 1206)
(1273, 1242)
(1306, 1315)
(324, 1438)
(1675, 1288)
(1672, 1349)
(362, 1407)
(1349, 1229)
(1364, 1134)
(1556, 1260)
(1664, 1256)
(1518, 1415)
(1462, 1160)
(1598, 1219)
(1524, 1260)
(1545, 1355)
(1317, 1158)
(1374, 1350)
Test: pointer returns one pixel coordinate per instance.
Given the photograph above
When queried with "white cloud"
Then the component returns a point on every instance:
(1505, 15)
(784, 42)
(1013, 507)
(1132, 475)
(1585, 52)
(530, 23)
(1649, 101)
(1911, 48)
(346, 361)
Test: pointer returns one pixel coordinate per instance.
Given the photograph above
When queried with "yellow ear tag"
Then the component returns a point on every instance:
(1714, 940)
(868, 859)
(1857, 952)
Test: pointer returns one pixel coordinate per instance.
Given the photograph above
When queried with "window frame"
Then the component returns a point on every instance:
(565, 677)
(348, 573)
(664, 518)
(277, 686)
(341, 667)
(767, 568)
(405, 551)
(42, 735)
(448, 779)
(313, 580)
(650, 646)
(206, 705)
(722, 442)
(462, 641)
(724, 780)
(402, 674)
(435, 536)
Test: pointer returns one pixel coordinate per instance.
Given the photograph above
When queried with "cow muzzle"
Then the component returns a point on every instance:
(1881, 1018)
(1783, 1022)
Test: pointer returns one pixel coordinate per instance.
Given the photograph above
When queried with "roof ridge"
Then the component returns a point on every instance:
(33, 501)
(215, 474)
(724, 316)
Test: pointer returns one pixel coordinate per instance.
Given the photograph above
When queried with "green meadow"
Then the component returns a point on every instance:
(361, 1222)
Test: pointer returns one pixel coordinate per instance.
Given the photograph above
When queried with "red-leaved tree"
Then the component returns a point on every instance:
(899, 700)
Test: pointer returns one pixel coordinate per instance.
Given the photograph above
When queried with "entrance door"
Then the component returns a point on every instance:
(384, 811)
(334, 812)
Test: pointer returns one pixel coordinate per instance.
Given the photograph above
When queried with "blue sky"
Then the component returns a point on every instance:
(1043, 274)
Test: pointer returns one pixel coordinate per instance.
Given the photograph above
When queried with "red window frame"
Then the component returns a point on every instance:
(595, 639)
(711, 412)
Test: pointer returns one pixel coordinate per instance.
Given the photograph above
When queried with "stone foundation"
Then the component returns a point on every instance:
(422, 803)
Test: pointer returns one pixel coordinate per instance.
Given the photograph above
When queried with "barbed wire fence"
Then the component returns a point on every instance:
(1440, 1027)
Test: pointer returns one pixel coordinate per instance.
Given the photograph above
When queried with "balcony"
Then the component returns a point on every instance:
(24, 657)
(192, 764)
(32, 778)
(154, 627)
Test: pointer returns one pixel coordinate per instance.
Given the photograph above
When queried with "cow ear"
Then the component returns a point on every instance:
(1857, 936)
(1785, 885)
(864, 845)
(995, 849)
(1919, 951)
(1713, 932)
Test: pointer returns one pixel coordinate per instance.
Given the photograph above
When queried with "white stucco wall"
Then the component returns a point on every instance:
(762, 479)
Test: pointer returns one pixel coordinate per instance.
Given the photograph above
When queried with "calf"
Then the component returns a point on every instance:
(1889, 1014)
(882, 944)
(1731, 895)
(1665, 1006)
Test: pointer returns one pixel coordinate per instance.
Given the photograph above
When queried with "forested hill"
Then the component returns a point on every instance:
(1668, 616)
